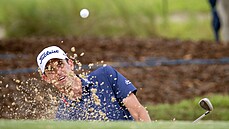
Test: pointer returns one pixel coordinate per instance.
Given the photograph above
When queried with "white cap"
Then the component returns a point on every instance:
(52, 52)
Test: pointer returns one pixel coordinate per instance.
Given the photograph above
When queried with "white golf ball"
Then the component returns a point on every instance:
(84, 13)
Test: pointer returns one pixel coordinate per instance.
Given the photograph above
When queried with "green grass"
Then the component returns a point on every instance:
(190, 110)
(190, 6)
(187, 30)
(116, 18)
(38, 124)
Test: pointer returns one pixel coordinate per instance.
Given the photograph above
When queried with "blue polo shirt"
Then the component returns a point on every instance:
(103, 91)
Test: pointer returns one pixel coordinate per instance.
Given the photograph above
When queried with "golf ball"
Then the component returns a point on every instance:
(84, 13)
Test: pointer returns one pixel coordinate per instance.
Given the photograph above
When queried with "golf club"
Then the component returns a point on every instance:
(205, 104)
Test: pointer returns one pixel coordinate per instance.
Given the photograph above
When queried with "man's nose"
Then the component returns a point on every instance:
(59, 70)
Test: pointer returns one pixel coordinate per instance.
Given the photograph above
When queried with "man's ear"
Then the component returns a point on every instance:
(71, 63)
(45, 78)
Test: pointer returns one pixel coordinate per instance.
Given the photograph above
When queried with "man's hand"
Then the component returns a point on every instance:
(135, 108)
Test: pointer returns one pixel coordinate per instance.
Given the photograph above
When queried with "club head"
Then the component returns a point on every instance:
(206, 104)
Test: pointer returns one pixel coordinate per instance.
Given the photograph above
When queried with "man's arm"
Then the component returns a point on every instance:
(135, 108)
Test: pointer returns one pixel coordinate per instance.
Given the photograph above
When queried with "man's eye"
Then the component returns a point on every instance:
(60, 64)
(48, 68)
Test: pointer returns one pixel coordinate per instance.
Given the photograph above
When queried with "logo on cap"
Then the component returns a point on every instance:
(46, 54)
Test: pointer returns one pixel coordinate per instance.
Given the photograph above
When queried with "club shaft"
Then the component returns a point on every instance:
(201, 117)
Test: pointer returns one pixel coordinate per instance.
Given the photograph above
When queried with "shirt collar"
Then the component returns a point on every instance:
(85, 88)
(85, 83)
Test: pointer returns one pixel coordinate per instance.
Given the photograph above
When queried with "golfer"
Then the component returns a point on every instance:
(104, 94)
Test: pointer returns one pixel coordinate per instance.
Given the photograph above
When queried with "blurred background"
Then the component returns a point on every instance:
(174, 51)
(159, 18)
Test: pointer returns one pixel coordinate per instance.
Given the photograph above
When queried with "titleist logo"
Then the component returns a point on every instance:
(46, 54)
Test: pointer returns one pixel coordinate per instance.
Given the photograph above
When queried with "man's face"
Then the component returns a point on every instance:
(60, 73)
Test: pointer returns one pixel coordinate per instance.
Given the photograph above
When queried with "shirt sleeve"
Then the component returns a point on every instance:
(121, 86)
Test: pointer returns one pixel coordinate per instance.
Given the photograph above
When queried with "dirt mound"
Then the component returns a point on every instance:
(160, 84)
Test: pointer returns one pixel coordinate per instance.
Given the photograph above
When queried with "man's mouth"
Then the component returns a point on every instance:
(62, 78)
